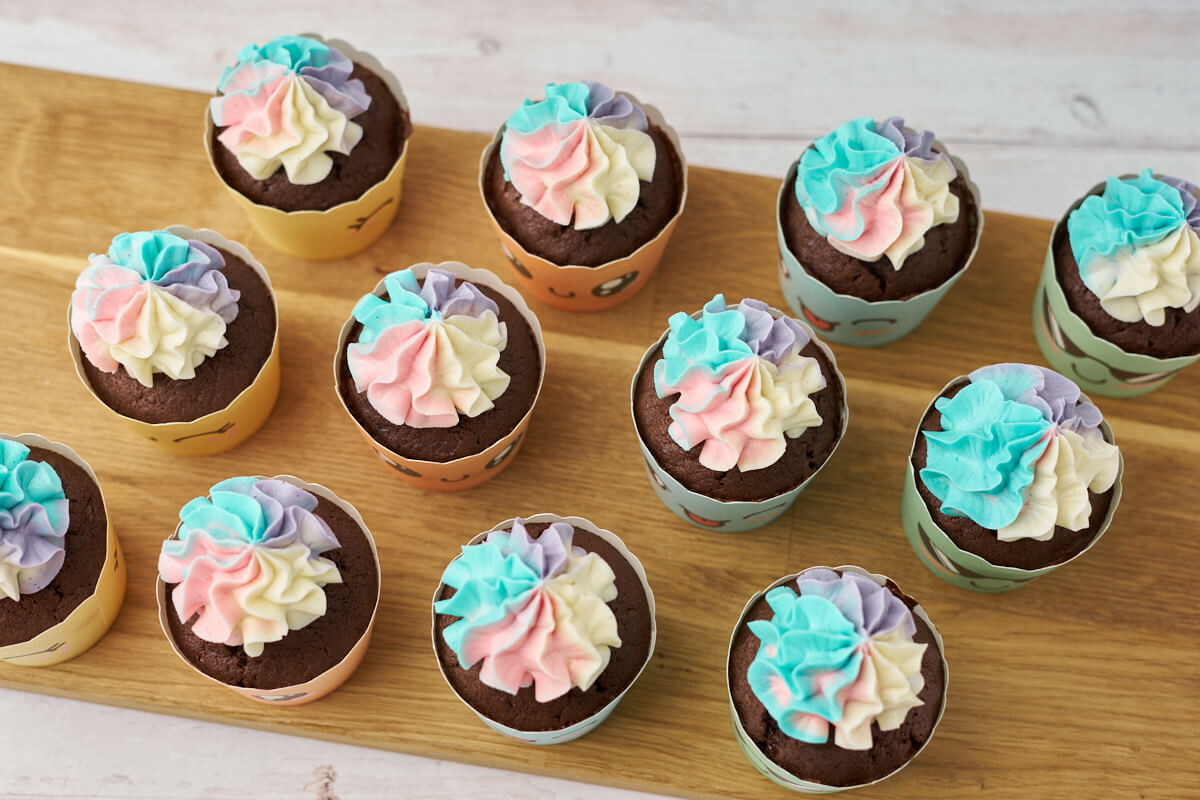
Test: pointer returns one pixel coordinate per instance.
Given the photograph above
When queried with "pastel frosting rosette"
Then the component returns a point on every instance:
(534, 611)
(744, 388)
(1019, 451)
(288, 103)
(34, 518)
(838, 652)
(874, 189)
(247, 562)
(429, 353)
(1137, 245)
(155, 303)
(578, 155)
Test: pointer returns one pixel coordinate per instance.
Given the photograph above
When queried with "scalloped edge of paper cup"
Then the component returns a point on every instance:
(962, 568)
(880, 322)
(587, 725)
(344, 229)
(329, 680)
(573, 287)
(1067, 341)
(219, 430)
(91, 619)
(774, 771)
(469, 471)
(727, 516)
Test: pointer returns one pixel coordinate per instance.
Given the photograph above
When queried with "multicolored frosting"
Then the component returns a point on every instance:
(838, 651)
(1138, 246)
(579, 154)
(1018, 452)
(34, 517)
(535, 611)
(246, 562)
(288, 103)
(742, 384)
(155, 303)
(428, 353)
(874, 189)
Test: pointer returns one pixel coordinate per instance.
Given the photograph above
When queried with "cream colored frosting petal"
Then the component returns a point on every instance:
(585, 589)
(287, 594)
(925, 202)
(468, 354)
(171, 337)
(1141, 282)
(617, 159)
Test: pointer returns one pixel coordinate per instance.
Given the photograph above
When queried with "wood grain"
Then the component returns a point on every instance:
(1083, 682)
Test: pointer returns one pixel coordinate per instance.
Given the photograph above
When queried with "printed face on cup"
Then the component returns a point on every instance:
(759, 515)
(864, 326)
(958, 574)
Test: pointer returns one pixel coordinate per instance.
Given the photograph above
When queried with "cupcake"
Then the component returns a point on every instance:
(541, 625)
(269, 586)
(875, 223)
(584, 187)
(836, 679)
(736, 409)
(1013, 473)
(310, 138)
(62, 579)
(176, 332)
(440, 367)
(1118, 305)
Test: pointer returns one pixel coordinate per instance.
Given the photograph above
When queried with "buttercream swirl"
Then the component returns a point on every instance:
(430, 352)
(246, 562)
(743, 386)
(288, 103)
(1019, 452)
(1138, 247)
(579, 154)
(34, 518)
(534, 611)
(838, 650)
(875, 189)
(155, 303)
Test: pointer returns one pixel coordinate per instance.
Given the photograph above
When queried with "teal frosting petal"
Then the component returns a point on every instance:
(25, 483)
(708, 343)
(1129, 213)
(981, 462)
(152, 254)
(564, 103)
(293, 52)
(840, 165)
(404, 304)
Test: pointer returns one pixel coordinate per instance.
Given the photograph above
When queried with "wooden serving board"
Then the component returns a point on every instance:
(1082, 684)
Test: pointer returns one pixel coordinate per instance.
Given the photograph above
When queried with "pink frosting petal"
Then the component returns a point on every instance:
(105, 309)
(261, 115)
(546, 164)
(722, 415)
(215, 572)
(397, 372)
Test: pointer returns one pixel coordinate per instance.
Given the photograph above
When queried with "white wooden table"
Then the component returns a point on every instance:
(1042, 99)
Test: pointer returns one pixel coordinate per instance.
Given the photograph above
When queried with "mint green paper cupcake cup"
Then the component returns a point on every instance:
(959, 567)
(846, 319)
(1096, 364)
(727, 516)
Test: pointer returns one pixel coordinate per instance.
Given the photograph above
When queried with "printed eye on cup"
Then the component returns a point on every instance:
(92, 618)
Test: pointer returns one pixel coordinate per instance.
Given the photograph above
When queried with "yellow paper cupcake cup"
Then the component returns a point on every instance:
(581, 288)
(224, 429)
(316, 688)
(92, 618)
(469, 471)
(345, 229)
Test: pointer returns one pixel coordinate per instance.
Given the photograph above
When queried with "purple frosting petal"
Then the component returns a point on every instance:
(914, 144)
(770, 338)
(439, 292)
(332, 82)
(872, 608)
(547, 554)
(29, 537)
(1055, 395)
(201, 284)
(1189, 194)
(608, 108)
(290, 517)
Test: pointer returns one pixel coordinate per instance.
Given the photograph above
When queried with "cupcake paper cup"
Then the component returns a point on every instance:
(768, 767)
(1096, 364)
(726, 516)
(327, 681)
(469, 471)
(584, 726)
(967, 570)
(845, 319)
(221, 430)
(92, 618)
(345, 229)
(580, 288)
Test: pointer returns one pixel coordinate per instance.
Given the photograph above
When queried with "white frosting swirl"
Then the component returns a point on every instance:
(887, 687)
(170, 337)
(1139, 283)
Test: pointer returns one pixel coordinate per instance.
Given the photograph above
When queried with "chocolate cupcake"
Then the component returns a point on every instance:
(440, 368)
(1118, 307)
(62, 580)
(176, 331)
(584, 187)
(736, 409)
(269, 586)
(304, 125)
(836, 679)
(1013, 473)
(541, 625)
(875, 222)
